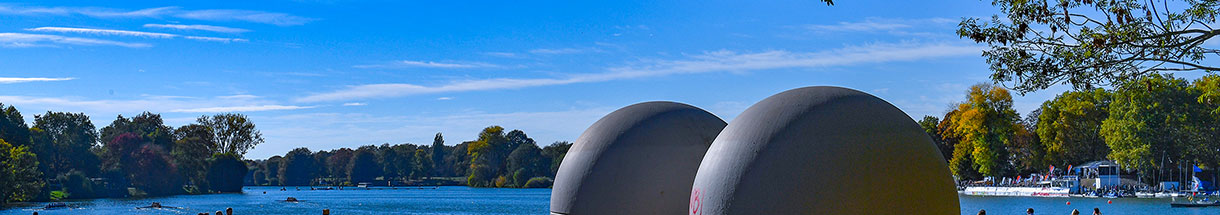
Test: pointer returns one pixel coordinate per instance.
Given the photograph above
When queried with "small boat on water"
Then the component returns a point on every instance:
(1167, 195)
(157, 205)
(1049, 188)
(1194, 204)
(55, 205)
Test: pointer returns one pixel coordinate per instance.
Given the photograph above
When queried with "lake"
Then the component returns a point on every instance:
(465, 200)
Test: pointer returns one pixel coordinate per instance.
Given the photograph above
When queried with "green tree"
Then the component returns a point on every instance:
(423, 166)
(1070, 127)
(437, 154)
(153, 171)
(62, 142)
(146, 125)
(191, 151)
(459, 159)
(1041, 43)
(78, 185)
(260, 175)
(1209, 89)
(13, 127)
(986, 121)
(398, 160)
(555, 154)
(526, 162)
(1028, 153)
(1154, 118)
(273, 165)
(929, 125)
(961, 161)
(319, 160)
(225, 173)
(298, 168)
(487, 157)
(146, 140)
(234, 133)
(364, 166)
(338, 161)
(146, 165)
(20, 179)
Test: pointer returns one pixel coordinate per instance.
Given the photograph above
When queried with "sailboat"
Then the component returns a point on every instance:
(1194, 188)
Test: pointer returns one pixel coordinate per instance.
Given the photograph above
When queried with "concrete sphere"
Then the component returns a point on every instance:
(640, 159)
(823, 150)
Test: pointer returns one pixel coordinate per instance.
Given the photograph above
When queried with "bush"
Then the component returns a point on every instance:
(77, 185)
(59, 195)
(501, 181)
(539, 182)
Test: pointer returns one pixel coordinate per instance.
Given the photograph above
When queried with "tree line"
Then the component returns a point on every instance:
(63, 155)
(494, 159)
(1152, 125)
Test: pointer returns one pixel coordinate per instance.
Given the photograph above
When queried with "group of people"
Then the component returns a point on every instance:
(1030, 211)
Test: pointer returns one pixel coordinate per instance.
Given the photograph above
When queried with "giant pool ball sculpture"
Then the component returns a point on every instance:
(640, 159)
(822, 150)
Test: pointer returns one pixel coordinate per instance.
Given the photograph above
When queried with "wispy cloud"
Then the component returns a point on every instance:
(212, 28)
(502, 54)
(444, 98)
(216, 39)
(354, 104)
(108, 32)
(430, 64)
(560, 51)
(878, 24)
(153, 103)
(111, 32)
(237, 97)
(12, 80)
(720, 61)
(281, 19)
(116, 13)
(240, 109)
(42, 40)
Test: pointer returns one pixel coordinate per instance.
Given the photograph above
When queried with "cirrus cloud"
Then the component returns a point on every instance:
(19, 40)
(430, 64)
(273, 18)
(13, 80)
(211, 28)
(111, 32)
(719, 61)
(240, 108)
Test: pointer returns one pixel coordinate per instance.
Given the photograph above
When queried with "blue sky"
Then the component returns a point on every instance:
(329, 74)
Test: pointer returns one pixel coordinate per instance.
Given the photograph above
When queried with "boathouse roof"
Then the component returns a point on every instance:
(1095, 164)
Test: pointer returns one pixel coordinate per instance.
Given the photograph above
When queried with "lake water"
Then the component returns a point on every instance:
(465, 200)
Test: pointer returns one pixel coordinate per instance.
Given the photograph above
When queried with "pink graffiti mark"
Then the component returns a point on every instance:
(695, 202)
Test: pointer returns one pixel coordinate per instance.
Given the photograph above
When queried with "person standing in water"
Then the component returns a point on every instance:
(1096, 211)
(1075, 212)
(1029, 211)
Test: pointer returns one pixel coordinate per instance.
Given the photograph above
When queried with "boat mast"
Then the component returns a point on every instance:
(1160, 171)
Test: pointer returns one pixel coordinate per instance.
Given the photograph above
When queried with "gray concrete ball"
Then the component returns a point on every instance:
(823, 150)
(640, 159)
